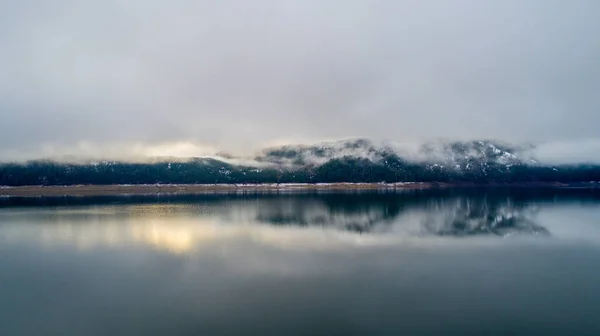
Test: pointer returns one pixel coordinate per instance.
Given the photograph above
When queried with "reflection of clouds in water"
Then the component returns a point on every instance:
(576, 223)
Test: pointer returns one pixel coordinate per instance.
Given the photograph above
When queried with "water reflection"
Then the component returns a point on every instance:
(459, 216)
(303, 264)
(466, 217)
(353, 214)
(182, 224)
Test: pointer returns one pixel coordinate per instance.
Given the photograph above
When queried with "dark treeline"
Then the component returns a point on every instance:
(348, 169)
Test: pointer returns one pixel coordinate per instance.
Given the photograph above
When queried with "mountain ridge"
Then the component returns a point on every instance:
(355, 160)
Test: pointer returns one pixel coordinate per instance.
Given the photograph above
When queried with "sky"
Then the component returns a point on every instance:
(191, 77)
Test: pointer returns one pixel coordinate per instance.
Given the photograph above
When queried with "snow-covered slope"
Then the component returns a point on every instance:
(478, 155)
(454, 156)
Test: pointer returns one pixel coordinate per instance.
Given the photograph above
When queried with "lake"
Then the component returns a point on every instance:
(427, 262)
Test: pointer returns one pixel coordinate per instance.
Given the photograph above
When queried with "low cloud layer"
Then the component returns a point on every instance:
(569, 152)
(121, 78)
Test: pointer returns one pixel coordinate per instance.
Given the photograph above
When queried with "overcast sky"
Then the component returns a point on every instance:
(190, 76)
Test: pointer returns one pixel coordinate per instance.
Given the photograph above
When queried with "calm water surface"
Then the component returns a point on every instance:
(474, 262)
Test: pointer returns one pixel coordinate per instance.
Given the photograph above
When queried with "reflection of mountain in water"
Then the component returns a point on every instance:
(470, 217)
(348, 213)
(456, 215)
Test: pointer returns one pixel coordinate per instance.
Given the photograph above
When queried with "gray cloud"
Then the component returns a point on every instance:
(569, 152)
(238, 74)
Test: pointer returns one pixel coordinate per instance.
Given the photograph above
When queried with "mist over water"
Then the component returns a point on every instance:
(432, 262)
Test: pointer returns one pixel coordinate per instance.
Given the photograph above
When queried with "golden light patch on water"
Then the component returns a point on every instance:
(181, 235)
(176, 240)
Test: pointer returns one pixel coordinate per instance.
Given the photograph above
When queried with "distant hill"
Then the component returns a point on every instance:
(358, 160)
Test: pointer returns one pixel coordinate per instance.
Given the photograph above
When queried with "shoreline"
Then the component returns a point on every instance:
(149, 189)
